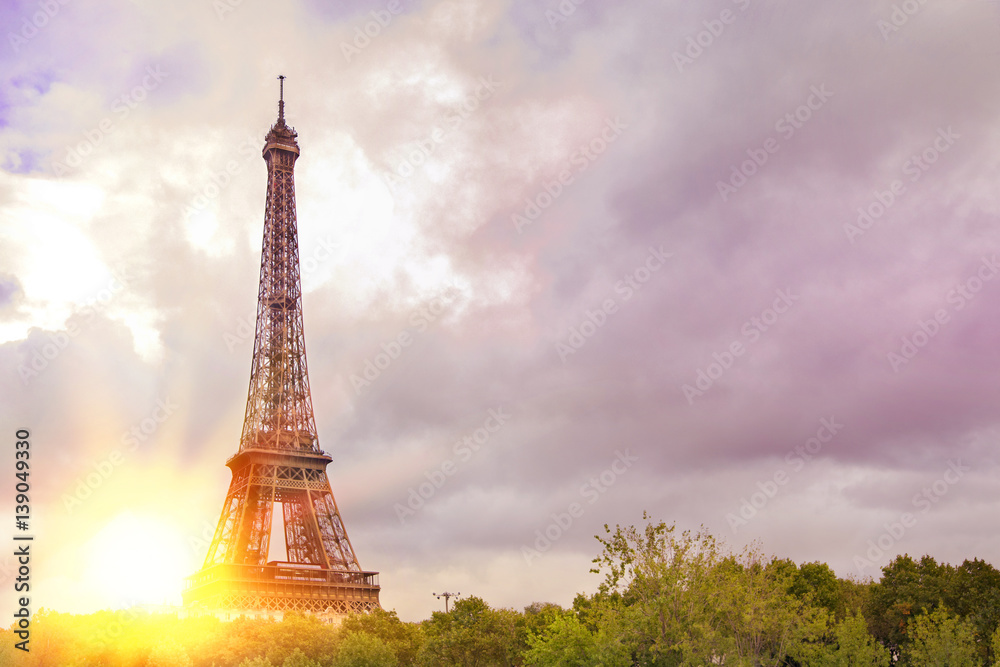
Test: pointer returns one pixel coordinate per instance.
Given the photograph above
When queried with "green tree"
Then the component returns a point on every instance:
(360, 649)
(757, 616)
(537, 618)
(256, 662)
(682, 599)
(974, 594)
(995, 645)
(854, 647)
(655, 583)
(297, 632)
(816, 584)
(405, 639)
(299, 659)
(854, 596)
(942, 639)
(472, 634)
(568, 643)
(168, 653)
(907, 587)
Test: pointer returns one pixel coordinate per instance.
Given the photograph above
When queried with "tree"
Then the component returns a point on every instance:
(405, 639)
(906, 589)
(816, 584)
(168, 653)
(655, 584)
(975, 595)
(296, 633)
(360, 649)
(7, 650)
(537, 618)
(472, 634)
(854, 647)
(568, 643)
(299, 659)
(766, 624)
(256, 662)
(854, 595)
(682, 599)
(942, 639)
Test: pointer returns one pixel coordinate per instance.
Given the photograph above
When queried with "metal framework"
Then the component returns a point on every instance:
(279, 459)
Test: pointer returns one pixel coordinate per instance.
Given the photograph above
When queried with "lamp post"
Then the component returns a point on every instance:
(446, 597)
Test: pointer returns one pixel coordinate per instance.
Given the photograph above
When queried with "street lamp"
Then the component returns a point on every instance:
(446, 597)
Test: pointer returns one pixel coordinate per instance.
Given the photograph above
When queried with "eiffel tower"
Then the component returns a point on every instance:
(279, 459)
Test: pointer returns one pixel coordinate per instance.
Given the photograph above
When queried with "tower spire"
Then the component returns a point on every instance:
(281, 99)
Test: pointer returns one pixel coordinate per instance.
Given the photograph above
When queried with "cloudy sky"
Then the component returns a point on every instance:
(734, 263)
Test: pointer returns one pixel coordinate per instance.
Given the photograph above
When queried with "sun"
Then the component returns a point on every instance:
(138, 559)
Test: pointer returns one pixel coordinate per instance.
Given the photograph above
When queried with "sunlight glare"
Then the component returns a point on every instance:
(138, 560)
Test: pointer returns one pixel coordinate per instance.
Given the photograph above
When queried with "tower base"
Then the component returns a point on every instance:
(278, 587)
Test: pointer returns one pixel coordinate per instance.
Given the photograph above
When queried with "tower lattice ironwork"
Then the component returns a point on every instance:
(279, 458)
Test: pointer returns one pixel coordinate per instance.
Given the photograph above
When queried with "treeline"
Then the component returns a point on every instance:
(668, 598)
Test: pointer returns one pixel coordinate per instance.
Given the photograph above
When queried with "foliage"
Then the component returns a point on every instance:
(910, 588)
(975, 595)
(854, 647)
(685, 600)
(131, 638)
(942, 639)
(567, 643)
(655, 585)
(667, 598)
(360, 649)
(404, 639)
(168, 653)
(256, 662)
(7, 650)
(536, 619)
(907, 588)
(816, 584)
(298, 633)
(854, 596)
(472, 634)
(299, 659)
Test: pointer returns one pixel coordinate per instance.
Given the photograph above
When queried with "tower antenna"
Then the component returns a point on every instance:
(281, 99)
